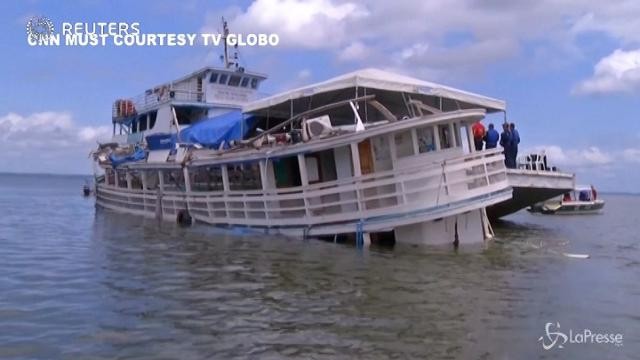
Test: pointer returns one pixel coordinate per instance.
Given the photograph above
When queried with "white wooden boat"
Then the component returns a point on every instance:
(582, 200)
(361, 154)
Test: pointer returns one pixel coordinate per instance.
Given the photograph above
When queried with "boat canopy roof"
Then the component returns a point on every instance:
(382, 80)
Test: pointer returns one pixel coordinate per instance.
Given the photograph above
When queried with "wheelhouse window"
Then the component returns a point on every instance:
(254, 83)
(213, 78)
(245, 82)
(426, 139)
(223, 79)
(244, 176)
(234, 80)
(206, 178)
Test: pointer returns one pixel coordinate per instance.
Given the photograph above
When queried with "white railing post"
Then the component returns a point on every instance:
(304, 179)
(357, 172)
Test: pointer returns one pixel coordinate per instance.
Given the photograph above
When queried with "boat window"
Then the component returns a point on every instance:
(254, 83)
(151, 179)
(110, 177)
(245, 82)
(121, 178)
(456, 134)
(143, 122)
(426, 139)
(404, 144)
(213, 78)
(286, 172)
(444, 133)
(321, 166)
(464, 138)
(152, 119)
(234, 80)
(173, 180)
(223, 79)
(206, 178)
(244, 176)
(136, 179)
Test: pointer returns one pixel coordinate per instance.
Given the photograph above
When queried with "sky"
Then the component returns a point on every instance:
(569, 70)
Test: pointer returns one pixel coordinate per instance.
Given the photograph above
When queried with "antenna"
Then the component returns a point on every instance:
(225, 57)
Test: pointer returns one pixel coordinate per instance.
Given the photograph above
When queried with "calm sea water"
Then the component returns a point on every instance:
(76, 283)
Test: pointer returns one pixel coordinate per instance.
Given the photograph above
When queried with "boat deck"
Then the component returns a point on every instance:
(531, 187)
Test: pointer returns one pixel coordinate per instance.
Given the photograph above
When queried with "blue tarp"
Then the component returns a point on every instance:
(161, 141)
(211, 132)
(137, 155)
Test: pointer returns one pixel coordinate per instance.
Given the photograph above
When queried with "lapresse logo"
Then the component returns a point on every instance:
(555, 338)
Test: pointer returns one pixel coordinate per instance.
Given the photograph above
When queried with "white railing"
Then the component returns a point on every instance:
(418, 188)
(149, 100)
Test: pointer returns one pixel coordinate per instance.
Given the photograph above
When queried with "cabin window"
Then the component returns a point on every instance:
(245, 82)
(109, 177)
(152, 180)
(121, 178)
(446, 138)
(286, 172)
(321, 166)
(206, 178)
(404, 144)
(234, 80)
(254, 83)
(456, 134)
(244, 176)
(223, 79)
(173, 180)
(426, 139)
(136, 180)
(213, 78)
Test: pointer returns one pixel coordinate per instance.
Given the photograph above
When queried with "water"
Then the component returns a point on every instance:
(80, 283)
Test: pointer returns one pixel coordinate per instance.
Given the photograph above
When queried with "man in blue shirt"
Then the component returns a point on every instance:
(491, 138)
(515, 140)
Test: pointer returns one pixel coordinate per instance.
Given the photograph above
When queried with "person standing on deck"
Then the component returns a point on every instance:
(515, 140)
(491, 138)
(505, 142)
(478, 134)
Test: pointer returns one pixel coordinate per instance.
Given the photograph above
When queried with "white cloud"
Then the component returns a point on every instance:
(299, 23)
(631, 155)
(574, 158)
(617, 72)
(397, 32)
(51, 141)
(355, 51)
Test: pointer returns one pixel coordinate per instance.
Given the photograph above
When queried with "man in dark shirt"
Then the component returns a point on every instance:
(515, 140)
(505, 142)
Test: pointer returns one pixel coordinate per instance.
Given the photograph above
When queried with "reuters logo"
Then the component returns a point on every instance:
(39, 28)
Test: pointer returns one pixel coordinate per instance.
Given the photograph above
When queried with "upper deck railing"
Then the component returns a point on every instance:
(151, 99)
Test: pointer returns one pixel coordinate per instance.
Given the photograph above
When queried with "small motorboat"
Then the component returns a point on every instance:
(582, 200)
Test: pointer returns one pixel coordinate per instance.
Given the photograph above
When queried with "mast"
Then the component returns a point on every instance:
(225, 57)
